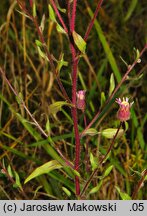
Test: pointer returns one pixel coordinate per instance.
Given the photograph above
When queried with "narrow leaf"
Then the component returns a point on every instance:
(34, 9)
(107, 171)
(47, 126)
(131, 9)
(93, 161)
(123, 195)
(10, 171)
(103, 98)
(68, 193)
(38, 43)
(51, 13)
(61, 63)
(60, 29)
(45, 168)
(112, 84)
(96, 188)
(17, 180)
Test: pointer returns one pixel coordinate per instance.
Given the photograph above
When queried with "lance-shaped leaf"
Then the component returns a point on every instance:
(90, 132)
(123, 195)
(93, 161)
(68, 193)
(61, 63)
(79, 41)
(112, 84)
(44, 169)
(56, 107)
(51, 13)
(60, 29)
(110, 133)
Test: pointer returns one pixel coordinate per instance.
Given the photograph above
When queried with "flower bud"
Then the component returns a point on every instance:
(81, 100)
(123, 113)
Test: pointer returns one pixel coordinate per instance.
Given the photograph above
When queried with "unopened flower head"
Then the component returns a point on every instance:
(81, 100)
(123, 113)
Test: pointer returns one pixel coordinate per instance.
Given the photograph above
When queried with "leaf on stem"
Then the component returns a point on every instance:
(51, 13)
(68, 193)
(61, 63)
(123, 195)
(93, 161)
(44, 169)
(112, 84)
(110, 133)
(56, 107)
(79, 41)
(90, 132)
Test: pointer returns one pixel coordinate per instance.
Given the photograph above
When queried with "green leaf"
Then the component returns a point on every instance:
(106, 47)
(10, 171)
(38, 43)
(68, 193)
(41, 53)
(96, 189)
(76, 173)
(126, 125)
(61, 63)
(107, 171)
(34, 9)
(19, 98)
(103, 98)
(131, 9)
(51, 13)
(56, 107)
(47, 126)
(123, 195)
(90, 132)
(93, 161)
(79, 41)
(110, 133)
(112, 84)
(60, 29)
(44, 169)
(42, 22)
(17, 180)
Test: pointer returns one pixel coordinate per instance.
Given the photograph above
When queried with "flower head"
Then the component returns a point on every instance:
(123, 113)
(81, 100)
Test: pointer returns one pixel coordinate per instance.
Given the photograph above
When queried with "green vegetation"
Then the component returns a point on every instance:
(37, 109)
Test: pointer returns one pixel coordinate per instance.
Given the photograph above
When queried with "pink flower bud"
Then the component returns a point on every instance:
(123, 113)
(81, 100)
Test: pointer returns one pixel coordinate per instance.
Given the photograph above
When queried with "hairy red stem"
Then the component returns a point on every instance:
(73, 16)
(93, 19)
(74, 90)
(101, 161)
(74, 116)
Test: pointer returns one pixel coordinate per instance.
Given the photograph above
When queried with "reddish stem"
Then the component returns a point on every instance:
(59, 16)
(93, 19)
(72, 25)
(139, 185)
(101, 161)
(34, 19)
(116, 89)
(74, 90)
